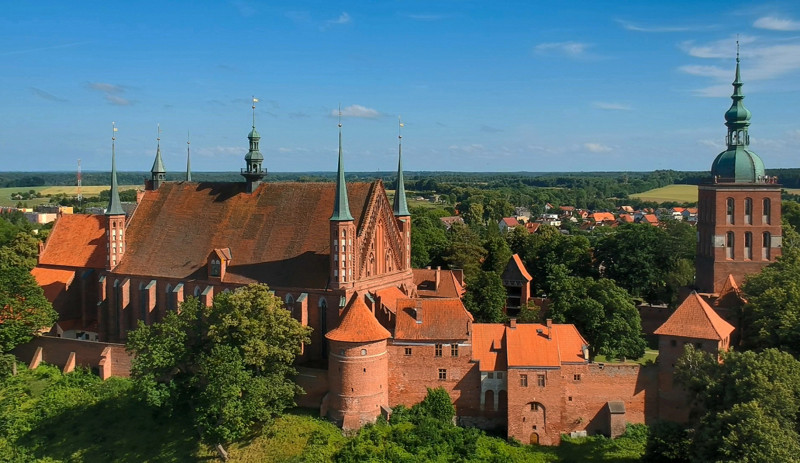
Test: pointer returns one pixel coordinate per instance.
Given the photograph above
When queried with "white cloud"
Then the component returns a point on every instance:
(357, 111)
(774, 23)
(111, 93)
(105, 87)
(611, 106)
(343, 18)
(712, 142)
(118, 100)
(635, 27)
(597, 147)
(573, 49)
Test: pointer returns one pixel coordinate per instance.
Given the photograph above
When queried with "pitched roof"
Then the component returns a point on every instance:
(440, 318)
(279, 234)
(627, 218)
(77, 240)
(730, 295)
(603, 217)
(532, 227)
(528, 348)
(510, 221)
(389, 297)
(650, 218)
(515, 269)
(694, 318)
(425, 279)
(358, 324)
(487, 342)
(53, 281)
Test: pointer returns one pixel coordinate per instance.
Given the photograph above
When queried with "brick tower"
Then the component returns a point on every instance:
(342, 232)
(739, 210)
(358, 367)
(115, 217)
(400, 207)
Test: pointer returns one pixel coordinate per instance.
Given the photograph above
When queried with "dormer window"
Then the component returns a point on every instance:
(216, 267)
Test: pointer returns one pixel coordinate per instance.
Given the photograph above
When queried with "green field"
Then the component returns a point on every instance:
(677, 193)
(5, 193)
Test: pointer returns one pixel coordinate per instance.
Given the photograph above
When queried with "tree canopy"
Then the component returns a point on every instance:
(229, 364)
(603, 312)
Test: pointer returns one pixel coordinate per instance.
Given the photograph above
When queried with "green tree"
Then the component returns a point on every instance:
(790, 211)
(438, 405)
(749, 403)
(230, 364)
(464, 250)
(486, 297)
(21, 251)
(498, 252)
(772, 314)
(23, 308)
(603, 312)
(428, 238)
(548, 248)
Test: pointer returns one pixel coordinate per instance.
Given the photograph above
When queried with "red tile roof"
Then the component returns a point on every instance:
(389, 297)
(730, 295)
(77, 240)
(358, 324)
(487, 342)
(53, 281)
(510, 221)
(425, 279)
(603, 217)
(516, 267)
(279, 234)
(497, 346)
(650, 218)
(694, 318)
(567, 208)
(532, 227)
(627, 218)
(440, 319)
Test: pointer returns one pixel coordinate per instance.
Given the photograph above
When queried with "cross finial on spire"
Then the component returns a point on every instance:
(158, 133)
(340, 115)
(113, 134)
(255, 100)
(737, 48)
(400, 126)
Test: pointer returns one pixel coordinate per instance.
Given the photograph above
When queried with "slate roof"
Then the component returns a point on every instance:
(694, 318)
(498, 347)
(278, 234)
(358, 324)
(442, 319)
(77, 240)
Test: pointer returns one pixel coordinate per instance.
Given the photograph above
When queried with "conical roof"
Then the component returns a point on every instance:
(694, 318)
(341, 205)
(400, 205)
(358, 324)
(158, 164)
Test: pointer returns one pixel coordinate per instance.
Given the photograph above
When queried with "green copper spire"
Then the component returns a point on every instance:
(114, 204)
(341, 206)
(253, 173)
(158, 174)
(400, 206)
(188, 160)
(737, 163)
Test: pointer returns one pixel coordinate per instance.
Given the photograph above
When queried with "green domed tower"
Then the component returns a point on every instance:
(253, 173)
(739, 209)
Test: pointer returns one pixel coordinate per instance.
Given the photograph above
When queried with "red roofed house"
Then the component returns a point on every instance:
(517, 282)
(508, 223)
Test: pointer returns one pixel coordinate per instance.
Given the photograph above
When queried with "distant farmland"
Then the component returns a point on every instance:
(677, 193)
(87, 191)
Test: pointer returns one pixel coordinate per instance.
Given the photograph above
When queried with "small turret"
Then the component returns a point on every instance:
(115, 216)
(158, 174)
(253, 173)
(342, 231)
(188, 160)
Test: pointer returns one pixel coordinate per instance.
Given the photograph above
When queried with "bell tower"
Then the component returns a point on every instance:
(253, 173)
(739, 209)
(158, 174)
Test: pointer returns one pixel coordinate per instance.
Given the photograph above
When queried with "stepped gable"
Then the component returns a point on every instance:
(358, 324)
(279, 234)
(694, 318)
(432, 319)
(77, 240)
(488, 346)
(536, 345)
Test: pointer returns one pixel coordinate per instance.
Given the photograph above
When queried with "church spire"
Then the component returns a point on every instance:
(400, 206)
(737, 118)
(114, 204)
(157, 174)
(188, 160)
(341, 205)
(253, 173)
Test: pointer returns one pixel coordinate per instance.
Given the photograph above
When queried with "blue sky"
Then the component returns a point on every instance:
(480, 85)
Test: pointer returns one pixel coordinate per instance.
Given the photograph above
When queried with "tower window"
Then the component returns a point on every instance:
(729, 245)
(748, 245)
(748, 211)
(766, 214)
(766, 245)
(729, 210)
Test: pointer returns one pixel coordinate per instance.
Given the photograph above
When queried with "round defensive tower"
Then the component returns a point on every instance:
(358, 367)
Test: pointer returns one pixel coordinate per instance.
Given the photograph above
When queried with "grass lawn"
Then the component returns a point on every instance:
(678, 193)
(649, 357)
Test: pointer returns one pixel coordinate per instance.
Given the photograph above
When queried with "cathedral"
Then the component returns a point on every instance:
(339, 256)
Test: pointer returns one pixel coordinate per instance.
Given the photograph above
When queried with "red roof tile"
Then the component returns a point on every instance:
(730, 295)
(627, 218)
(694, 318)
(532, 227)
(358, 324)
(439, 319)
(425, 279)
(487, 342)
(603, 217)
(279, 234)
(510, 221)
(389, 297)
(77, 240)
(53, 281)
(515, 268)
(527, 348)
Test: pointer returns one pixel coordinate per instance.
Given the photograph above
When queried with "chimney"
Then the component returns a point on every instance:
(512, 323)
(418, 312)
(549, 327)
(459, 275)
(438, 278)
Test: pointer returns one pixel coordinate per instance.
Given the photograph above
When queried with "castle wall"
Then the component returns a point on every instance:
(88, 354)
(411, 375)
(358, 377)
